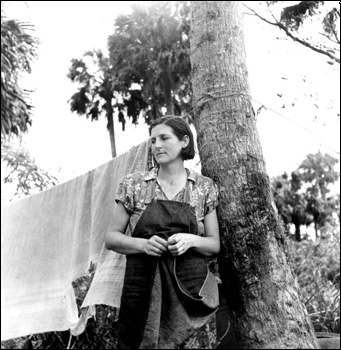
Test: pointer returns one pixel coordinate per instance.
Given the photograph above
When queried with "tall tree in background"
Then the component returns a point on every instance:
(317, 171)
(18, 49)
(260, 287)
(291, 203)
(148, 69)
(302, 199)
(324, 36)
(149, 53)
(95, 95)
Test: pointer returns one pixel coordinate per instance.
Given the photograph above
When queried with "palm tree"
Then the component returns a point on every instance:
(148, 68)
(150, 49)
(95, 95)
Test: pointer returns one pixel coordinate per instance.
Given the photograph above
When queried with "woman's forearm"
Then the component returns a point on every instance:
(120, 243)
(179, 243)
(207, 246)
(123, 244)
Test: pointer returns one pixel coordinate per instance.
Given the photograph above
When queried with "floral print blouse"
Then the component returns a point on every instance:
(136, 190)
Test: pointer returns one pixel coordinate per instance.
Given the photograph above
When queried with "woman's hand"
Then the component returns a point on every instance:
(155, 246)
(179, 243)
(209, 245)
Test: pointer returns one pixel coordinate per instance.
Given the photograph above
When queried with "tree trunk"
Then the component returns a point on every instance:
(167, 90)
(258, 283)
(298, 237)
(110, 126)
(316, 229)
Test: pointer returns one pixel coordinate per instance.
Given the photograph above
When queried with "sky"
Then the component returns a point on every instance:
(298, 88)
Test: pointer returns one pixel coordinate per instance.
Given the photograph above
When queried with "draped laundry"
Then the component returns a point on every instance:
(48, 240)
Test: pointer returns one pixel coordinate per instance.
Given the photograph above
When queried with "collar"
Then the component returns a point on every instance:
(152, 175)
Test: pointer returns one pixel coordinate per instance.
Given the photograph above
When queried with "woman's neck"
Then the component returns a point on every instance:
(172, 173)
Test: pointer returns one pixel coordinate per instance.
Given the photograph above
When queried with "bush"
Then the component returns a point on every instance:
(317, 265)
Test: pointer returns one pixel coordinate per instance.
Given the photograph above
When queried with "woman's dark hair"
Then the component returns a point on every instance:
(180, 128)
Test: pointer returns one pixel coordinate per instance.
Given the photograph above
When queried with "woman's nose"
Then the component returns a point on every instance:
(157, 144)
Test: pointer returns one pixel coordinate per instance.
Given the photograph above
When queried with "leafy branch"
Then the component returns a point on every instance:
(280, 25)
(23, 171)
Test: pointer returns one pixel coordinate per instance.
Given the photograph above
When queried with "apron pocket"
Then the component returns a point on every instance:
(197, 286)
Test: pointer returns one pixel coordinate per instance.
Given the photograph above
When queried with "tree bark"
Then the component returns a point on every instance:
(258, 283)
(298, 237)
(110, 126)
(167, 90)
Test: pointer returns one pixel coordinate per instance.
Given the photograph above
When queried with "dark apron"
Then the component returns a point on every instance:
(194, 285)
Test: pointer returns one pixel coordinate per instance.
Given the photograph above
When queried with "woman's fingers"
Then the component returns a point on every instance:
(174, 239)
(179, 243)
(160, 243)
(177, 250)
(156, 246)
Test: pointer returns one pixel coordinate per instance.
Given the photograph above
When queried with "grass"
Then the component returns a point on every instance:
(317, 266)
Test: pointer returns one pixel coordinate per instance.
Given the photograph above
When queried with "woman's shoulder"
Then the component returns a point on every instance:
(139, 176)
(200, 179)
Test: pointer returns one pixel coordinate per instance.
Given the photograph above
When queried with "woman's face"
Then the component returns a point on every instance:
(166, 147)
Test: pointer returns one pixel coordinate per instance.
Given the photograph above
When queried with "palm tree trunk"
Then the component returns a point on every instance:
(298, 237)
(263, 296)
(167, 90)
(110, 126)
(316, 229)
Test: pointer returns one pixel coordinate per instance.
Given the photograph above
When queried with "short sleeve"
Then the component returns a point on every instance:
(125, 193)
(212, 200)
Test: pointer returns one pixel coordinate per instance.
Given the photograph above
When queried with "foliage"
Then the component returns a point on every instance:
(293, 16)
(302, 199)
(324, 35)
(23, 172)
(92, 73)
(149, 53)
(94, 76)
(317, 170)
(18, 49)
(317, 265)
(290, 204)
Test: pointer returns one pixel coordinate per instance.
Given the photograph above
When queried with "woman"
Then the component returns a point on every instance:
(170, 213)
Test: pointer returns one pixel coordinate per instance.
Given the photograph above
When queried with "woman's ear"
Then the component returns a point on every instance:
(185, 141)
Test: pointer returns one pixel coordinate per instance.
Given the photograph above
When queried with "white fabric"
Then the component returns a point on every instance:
(48, 240)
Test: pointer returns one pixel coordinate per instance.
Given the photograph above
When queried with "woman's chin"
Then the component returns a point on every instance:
(161, 162)
(161, 159)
